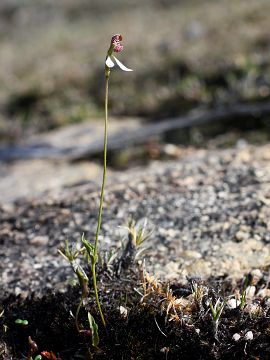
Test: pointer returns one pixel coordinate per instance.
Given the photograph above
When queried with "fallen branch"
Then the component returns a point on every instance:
(133, 137)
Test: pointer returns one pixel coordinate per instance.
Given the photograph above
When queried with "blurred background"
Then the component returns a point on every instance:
(188, 56)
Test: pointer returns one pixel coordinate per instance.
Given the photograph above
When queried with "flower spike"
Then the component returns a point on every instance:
(92, 249)
(115, 43)
(117, 47)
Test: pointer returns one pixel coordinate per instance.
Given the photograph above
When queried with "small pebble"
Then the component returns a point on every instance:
(253, 309)
(249, 336)
(250, 292)
(256, 275)
(39, 240)
(233, 303)
(241, 144)
(241, 235)
(123, 311)
(264, 293)
(236, 337)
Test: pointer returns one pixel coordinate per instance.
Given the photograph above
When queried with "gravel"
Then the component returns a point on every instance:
(210, 211)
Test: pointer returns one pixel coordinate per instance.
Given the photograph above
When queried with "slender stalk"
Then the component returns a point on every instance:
(77, 314)
(107, 74)
(96, 294)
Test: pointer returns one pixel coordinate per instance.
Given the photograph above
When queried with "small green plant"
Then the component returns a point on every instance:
(198, 291)
(216, 311)
(107, 260)
(33, 347)
(243, 296)
(21, 322)
(94, 330)
(70, 254)
(243, 299)
(139, 232)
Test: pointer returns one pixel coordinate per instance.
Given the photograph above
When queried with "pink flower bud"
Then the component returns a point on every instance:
(118, 48)
(117, 37)
(115, 43)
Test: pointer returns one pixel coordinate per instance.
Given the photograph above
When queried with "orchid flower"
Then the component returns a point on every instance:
(117, 47)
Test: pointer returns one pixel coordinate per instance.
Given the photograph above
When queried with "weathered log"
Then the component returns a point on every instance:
(133, 136)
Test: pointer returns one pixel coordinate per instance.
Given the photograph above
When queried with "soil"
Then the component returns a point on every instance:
(148, 330)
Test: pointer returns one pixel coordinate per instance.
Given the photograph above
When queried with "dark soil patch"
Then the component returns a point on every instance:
(150, 329)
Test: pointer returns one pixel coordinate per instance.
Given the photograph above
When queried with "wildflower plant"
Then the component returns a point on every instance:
(70, 254)
(243, 296)
(92, 250)
(216, 311)
(140, 231)
(138, 234)
(89, 249)
(198, 291)
(117, 47)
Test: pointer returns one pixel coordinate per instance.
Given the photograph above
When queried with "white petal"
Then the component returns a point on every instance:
(122, 66)
(109, 62)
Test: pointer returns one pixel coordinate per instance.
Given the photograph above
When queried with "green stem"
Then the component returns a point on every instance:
(96, 294)
(77, 314)
(107, 73)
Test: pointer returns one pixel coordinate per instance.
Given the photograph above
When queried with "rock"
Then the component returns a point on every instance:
(48, 176)
(256, 275)
(248, 336)
(250, 292)
(39, 241)
(236, 337)
(253, 309)
(241, 235)
(189, 254)
(123, 311)
(264, 293)
(233, 303)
